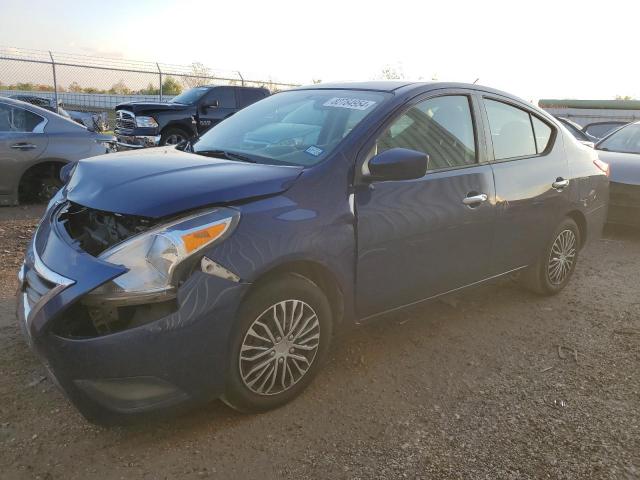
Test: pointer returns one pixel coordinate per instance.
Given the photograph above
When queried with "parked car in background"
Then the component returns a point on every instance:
(163, 278)
(576, 131)
(34, 145)
(621, 150)
(148, 124)
(599, 130)
(97, 122)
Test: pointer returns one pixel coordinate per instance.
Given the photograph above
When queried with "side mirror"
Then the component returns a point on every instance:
(398, 164)
(210, 104)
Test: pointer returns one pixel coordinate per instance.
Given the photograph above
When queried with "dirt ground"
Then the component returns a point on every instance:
(495, 383)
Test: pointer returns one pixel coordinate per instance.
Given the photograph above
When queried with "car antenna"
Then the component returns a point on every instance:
(476, 80)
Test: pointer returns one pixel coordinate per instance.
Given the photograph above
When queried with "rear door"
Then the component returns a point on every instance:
(531, 177)
(210, 115)
(419, 238)
(22, 141)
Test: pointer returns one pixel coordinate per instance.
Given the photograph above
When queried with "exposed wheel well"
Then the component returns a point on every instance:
(319, 275)
(35, 174)
(578, 217)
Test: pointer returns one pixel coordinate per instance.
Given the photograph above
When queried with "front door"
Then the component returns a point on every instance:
(420, 238)
(215, 106)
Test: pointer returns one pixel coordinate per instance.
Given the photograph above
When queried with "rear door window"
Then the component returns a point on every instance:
(515, 132)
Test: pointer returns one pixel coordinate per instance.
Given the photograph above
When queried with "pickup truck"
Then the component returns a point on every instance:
(193, 112)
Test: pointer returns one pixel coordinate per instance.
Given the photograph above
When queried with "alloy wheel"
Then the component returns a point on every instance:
(279, 347)
(562, 257)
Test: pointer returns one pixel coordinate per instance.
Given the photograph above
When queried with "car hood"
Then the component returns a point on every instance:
(146, 107)
(623, 167)
(158, 182)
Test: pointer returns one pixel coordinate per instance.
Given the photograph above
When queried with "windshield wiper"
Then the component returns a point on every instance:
(225, 154)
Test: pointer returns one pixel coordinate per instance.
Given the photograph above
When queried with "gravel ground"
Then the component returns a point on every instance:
(495, 383)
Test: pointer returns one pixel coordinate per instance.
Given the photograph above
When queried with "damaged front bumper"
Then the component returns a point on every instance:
(128, 142)
(172, 362)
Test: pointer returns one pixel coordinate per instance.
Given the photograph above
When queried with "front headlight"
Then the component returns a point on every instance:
(153, 256)
(149, 122)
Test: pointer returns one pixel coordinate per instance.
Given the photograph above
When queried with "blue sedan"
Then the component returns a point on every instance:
(164, 278)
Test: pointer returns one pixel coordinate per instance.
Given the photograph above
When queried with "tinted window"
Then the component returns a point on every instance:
(543, 133)
(625, 140)
(17, 119)
(247, 96)
(511, 131)
(440, 127)
(224, 95)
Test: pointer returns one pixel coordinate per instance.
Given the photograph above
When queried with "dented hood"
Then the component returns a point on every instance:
(157, 182)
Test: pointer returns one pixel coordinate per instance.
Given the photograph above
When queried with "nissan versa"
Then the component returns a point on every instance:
(164, 278)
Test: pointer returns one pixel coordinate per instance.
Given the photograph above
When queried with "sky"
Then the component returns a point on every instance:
(536, 49)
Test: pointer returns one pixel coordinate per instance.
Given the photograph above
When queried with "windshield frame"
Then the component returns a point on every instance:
(600, 145)
(378, 98)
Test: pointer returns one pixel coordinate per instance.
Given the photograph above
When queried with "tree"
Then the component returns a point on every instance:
(391, 73)
(75, 87)
(200, 75)
(120, 88)
(150, 90)
(170, 86)
(626, 97)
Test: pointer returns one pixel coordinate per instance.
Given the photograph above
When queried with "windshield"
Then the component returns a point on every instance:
(625, 140)
(190, 96)
(299, 127)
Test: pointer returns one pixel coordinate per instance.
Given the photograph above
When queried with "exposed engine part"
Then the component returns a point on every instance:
(96, 231)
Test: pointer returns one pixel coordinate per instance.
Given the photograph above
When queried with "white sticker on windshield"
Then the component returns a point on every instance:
(351, 103)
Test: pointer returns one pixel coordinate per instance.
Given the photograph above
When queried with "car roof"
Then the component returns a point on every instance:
(404, 86)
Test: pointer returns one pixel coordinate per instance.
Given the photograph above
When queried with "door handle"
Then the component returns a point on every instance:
(23, 146)
(560, 183)
(475, 200)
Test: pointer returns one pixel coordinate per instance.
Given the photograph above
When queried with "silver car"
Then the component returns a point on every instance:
(34, 145)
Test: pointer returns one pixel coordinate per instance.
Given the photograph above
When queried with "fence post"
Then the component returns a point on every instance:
(160, 73)
(55, 82)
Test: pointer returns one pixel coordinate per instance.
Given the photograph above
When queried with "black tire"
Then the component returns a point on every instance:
(173, 136)
(260, 305)
(543, 277)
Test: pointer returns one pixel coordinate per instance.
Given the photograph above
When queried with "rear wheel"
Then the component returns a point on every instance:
(173, 136)
(555, 266)
(281, 341)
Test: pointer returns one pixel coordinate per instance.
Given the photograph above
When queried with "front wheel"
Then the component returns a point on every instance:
(280, 342)
(555, 266)
(173, 136)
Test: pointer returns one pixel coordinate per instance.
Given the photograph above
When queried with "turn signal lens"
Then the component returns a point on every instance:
(602, 166)
(194, 240)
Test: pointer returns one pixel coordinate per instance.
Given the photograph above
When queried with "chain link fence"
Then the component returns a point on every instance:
(89, 88)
